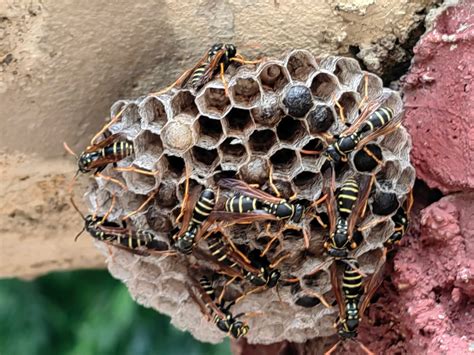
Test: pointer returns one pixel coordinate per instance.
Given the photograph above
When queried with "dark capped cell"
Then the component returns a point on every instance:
(320, 119)
(298, 100)
(367, 161)
(307, 301)
(385, 203)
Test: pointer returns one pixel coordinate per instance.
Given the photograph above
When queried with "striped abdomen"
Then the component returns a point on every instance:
(219, 251)
(352, 282)
(198, 73)
(242, 204)
(347, 197)
(376, 120)
(204, 206)
(118, 150)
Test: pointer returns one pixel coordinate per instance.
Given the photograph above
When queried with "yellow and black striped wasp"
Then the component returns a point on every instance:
(110, 150)
(216, 60)
(250, 200)
(253, 265)
(351, 310)
(121, 235)
(375, 120)
(217, 310)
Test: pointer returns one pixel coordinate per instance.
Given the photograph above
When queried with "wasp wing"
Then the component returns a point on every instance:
(245, 189)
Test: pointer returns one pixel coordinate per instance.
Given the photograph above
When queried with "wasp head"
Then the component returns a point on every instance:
(231, 50)
(273, 278)
(238, 329)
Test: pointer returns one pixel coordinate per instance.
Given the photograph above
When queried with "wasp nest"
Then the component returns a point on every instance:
(272, 112)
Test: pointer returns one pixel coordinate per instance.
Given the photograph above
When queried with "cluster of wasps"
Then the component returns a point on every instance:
(205, 214)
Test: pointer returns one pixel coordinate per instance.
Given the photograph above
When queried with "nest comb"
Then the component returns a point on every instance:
(273, 110)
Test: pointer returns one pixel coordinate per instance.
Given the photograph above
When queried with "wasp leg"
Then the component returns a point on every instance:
(178, 82)
(269, 244)
(222, 72)
(372, 180)
(319, 297)
(254, 290)
(221, 296)
(109, 211)
(186, 192)
(111, 179)
(240, 59)
(270, 182)
(142, 206)
(137, 170)
(341, 110)
(106, 127)
(364, 348)
(366, 91)
(275, 264)
(330, 351)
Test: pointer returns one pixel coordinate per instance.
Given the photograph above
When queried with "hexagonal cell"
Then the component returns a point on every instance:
(183, 102)
(178, 136)
(213, 102)
(153, 112)
(312, 151)
(166, 196)
(209, 131)
(233, 153)
(395, 141)
(349, 102)
(238, 122)
(284, 160)
(301, 64)
(390, 171)
(320, 119)
(348, 71)
(324, 86)
(407, 178)
(140, 183)
(245, 92)
(172, 166)
(291, 131)
(131, 115)
(221, 174)
(255, 171)
(273, 77)
(269, 112)
(372, 83)
(158, 220)
(204, 160)
(262, 141)
(308, 184)
(365, 159)
(149, 144)
(384, 203)
(393, 100)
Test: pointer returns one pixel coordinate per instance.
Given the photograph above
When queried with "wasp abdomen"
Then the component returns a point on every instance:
(347, 197)
(376, 120)
(242, 204)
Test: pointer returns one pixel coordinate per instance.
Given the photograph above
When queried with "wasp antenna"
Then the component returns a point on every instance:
(77, 236)
(69, 150)
(71, 199)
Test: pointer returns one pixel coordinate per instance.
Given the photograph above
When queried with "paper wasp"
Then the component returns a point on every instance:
(216, 60)
(250, 200)
(121, 235)
(217, 310)
(343, 212)
(350, 313)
